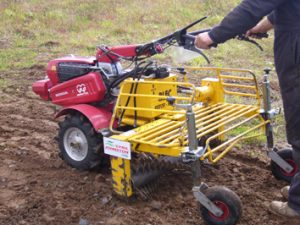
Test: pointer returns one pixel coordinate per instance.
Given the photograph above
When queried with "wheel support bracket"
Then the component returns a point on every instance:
(279, 161)
(206, 202)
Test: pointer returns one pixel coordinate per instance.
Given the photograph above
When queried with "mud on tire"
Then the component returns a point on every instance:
(80, 146)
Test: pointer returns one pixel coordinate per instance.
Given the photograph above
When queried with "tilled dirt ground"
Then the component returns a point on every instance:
(37, 187)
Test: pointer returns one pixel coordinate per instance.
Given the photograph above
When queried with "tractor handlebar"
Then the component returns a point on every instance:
(243, 37)
(180, 38)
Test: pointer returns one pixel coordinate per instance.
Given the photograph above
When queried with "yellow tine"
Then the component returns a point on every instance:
(156, 128)
(241, 94)
(239, 86)
(236, 77)
(154, 134)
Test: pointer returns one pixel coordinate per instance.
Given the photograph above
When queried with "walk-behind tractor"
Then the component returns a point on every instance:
(148, 118)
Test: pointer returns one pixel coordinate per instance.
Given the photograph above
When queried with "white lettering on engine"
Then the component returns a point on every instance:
(61, 94)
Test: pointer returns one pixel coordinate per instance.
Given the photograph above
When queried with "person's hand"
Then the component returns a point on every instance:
(203, 41)
(262, 27)
(255, 30)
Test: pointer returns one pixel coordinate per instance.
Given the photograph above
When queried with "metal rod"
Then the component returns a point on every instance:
(266, 93)
(267, 107)
(191, 126)
(236, 77)
(239, 86)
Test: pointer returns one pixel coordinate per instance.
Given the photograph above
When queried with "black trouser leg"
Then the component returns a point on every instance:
(287, 61)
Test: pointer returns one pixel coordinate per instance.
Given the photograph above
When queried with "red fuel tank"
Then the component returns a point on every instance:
(84, 89)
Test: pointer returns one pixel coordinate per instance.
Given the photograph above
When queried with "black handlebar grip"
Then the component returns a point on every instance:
(213, 45)
(260, 35)
(263, 35)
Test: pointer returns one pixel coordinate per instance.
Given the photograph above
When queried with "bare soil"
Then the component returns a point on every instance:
(37, 187)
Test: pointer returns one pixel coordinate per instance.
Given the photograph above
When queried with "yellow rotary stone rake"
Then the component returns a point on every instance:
(175, 121)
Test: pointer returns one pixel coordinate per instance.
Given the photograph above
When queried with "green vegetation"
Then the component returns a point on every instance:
(34, 31)
(254, 140)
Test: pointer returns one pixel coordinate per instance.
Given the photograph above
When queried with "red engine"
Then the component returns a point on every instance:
(70, 81)
(69, 67)
(86, 89)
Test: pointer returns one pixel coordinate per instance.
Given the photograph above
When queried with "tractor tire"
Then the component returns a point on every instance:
(227, 201)
(80, 146)
(278, 172)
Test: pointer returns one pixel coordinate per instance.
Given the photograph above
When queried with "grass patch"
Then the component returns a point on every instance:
(3, 83)
(78, 26)
(17, 58)
(249, 141)
(279, 128)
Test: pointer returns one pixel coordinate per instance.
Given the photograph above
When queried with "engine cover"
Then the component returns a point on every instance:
(84, 89)
(68, 67)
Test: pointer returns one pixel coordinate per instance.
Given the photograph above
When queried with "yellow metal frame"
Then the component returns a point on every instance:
(166, 133)
(121, 174)
(220, 73)
(145, 107)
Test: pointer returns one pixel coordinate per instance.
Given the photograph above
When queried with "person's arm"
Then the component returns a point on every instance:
(242, 18)
(238, 21)
(271, 17)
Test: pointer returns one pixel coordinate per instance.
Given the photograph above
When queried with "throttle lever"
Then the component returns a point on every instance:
(242, 37)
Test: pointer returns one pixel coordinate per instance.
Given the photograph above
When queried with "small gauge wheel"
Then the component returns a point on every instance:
(278, 172)
(227, 201)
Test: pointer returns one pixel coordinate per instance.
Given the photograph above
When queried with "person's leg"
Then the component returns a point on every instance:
(287, 61)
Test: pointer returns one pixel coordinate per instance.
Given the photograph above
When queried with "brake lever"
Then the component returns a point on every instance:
(242, 37)
(190, 45)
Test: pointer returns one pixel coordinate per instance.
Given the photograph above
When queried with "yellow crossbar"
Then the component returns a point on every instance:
(239, 86)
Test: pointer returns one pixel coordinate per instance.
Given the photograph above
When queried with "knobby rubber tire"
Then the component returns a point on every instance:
(95, 155)
(228, 201)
